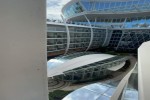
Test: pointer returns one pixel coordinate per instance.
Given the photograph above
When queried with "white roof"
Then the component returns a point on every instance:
(61, 67)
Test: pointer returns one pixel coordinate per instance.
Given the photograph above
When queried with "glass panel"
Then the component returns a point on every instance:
(103, 98)
(97, 88)
(110, 92)
(82, 94)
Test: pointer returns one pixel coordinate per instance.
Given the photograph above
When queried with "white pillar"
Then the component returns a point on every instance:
(68, 34)
(23, 74)
(92, 34)
(144, 71)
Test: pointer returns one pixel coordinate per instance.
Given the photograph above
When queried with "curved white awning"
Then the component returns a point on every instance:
(77, 62)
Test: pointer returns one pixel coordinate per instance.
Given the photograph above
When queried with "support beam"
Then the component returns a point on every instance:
(123, 25)
(120, 39)
(92, 73)
(23, 70)
(91, 40)
(68, 35)
(137, 8)
(95, 22)
(83, 74)
(106, 38)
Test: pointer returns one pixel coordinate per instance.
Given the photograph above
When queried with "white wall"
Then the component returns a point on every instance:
(23, 74)
(144, 71)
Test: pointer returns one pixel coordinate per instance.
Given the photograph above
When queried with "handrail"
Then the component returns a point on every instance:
(122, 84)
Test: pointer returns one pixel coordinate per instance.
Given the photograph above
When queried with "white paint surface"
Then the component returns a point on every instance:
(77, 62)
(23, 74)
(143, 71)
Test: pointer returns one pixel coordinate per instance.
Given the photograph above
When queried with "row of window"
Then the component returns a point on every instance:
(98, 5)
(106, 6)
(79, 29)
(128, 40)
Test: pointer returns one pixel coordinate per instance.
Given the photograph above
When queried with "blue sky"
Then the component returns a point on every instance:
(54, 8)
